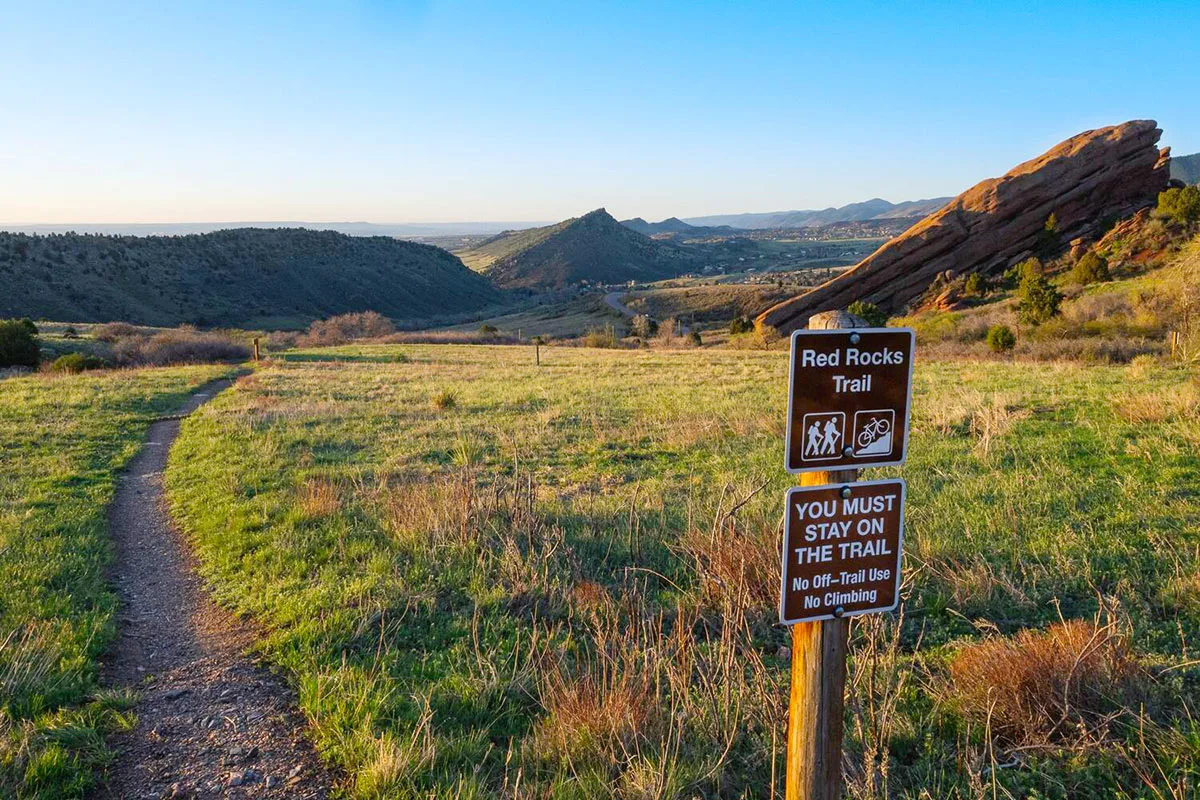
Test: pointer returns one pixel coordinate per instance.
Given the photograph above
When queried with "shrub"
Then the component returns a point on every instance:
(694, 338)
(644, 326)
(976, 285)
(1091, 268)
(1180, 205)
(741, 325)
(488, 330)
(76, 362)
(1001, 339)
(445, 399)
(29, 326)
(18, 345)
(600, 337)
(1039, 300)
(1061, 684)
(1048, 242)
(868, 312)
(115, 331)
(69, 332)
(346, 328)
(183, 345)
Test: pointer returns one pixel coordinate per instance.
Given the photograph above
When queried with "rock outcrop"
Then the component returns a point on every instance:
(1098, 174)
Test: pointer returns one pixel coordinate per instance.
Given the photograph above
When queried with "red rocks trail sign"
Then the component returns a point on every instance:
(848, 398)
(841, 550)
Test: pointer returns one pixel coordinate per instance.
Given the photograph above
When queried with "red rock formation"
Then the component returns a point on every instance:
(1108, 172)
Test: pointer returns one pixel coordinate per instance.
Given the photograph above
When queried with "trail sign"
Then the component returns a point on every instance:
(841, 550)
(849, 395)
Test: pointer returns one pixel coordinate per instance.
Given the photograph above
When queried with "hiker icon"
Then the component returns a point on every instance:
(823, 435)
(873, 434)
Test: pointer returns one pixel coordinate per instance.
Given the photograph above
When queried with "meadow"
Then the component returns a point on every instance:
(62, 441)
(492, 579)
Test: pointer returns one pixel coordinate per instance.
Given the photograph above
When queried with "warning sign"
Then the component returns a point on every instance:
(841, 550)
(849, 398)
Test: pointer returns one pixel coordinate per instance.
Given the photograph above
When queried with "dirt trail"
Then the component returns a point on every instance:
(211, 722)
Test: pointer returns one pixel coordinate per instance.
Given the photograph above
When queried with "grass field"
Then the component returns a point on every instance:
(62, 440)
(493, 580)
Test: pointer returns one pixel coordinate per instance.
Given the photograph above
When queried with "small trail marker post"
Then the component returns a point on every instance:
(256, 353)
(849, 399)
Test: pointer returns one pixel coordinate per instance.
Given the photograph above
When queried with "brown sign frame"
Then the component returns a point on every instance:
(831, 412)
(837, 491)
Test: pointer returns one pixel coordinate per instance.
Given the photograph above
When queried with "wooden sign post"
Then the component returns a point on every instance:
(830, 400)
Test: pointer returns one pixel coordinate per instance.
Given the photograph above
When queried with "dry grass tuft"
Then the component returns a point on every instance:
(1178, 402)
(319, 498)
(994, 420)
(445, 399)
(591, 718)
(1063, 685)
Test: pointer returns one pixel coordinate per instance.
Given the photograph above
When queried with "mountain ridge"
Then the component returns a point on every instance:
(875, 208)
(244, 277)
(1186, 168)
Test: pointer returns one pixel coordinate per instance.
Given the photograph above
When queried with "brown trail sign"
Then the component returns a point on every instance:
(841, 550)
(848, 398)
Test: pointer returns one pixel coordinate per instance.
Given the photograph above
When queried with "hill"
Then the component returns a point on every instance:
(875, 209)
(593, 248)
(245, 277)
(1186, 168)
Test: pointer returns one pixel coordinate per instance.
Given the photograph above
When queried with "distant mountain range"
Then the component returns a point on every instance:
(245, 278)
(1186, 168)
(875, 209)
(594, 248)
(399, 230)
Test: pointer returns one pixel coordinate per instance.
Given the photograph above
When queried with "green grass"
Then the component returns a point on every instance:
(62, 440)
(549, 589)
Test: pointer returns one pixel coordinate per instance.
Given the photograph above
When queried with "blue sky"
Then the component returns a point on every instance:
(435, 111)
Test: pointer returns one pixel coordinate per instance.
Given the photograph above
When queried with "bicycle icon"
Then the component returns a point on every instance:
(873, 432)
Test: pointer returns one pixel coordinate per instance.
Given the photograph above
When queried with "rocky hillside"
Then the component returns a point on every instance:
(245, 277)
(1186, 168)
(1102, 174)
(594, 248)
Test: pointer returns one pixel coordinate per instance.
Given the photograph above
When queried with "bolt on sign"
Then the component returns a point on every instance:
(849, 397)
(841, 550)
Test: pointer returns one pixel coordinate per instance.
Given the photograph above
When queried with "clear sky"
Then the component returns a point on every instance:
(446, 111)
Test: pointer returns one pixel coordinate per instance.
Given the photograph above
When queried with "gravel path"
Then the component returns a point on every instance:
(210, 721)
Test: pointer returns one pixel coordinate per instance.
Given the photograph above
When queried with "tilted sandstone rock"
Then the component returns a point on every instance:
(1109, 172)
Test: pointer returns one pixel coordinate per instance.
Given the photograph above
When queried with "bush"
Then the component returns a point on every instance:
(183, 345)
(976, 285)
(1049, 242)
(600, 337)
(486, 330)
(868, 312)
(741, 325)
(115, 331)
(1001, 339)
(29, 326)
(694, 338)
(644, 326)
(346, 328)
(1180, 205)
(18, 345)
(76, 362)
(1091, 268)
(1038, 299)
(1063, 684)
(445, 399)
